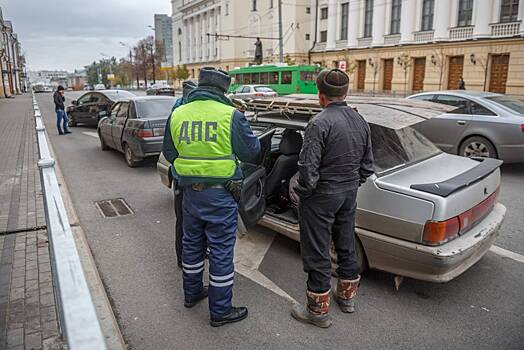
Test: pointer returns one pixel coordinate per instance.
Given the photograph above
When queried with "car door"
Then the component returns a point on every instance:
(107, 124)
(252, 199)
(238, 91)
(93, 109)
(79, 113)
(119, 124)
(447, 130)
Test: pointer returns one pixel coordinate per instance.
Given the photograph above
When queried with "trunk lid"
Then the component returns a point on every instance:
(454, 184)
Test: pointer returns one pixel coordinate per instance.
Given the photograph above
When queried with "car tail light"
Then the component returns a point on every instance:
(143, 133)
(158, 131)
(522, 128)
(438, 232)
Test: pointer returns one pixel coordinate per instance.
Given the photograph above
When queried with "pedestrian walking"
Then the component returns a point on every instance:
(61, 115)
(335, 159)
(209, 135)
(462, 84)
(169, 151)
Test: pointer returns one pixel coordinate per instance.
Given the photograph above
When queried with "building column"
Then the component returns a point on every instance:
(332, 25)
(205, 20)
(441, 15)
(481, 16)
(379, 14)
(407, 21)
(354, 23)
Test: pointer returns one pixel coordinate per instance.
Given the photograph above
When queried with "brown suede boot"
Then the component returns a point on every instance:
(316, 311)
(345, 293)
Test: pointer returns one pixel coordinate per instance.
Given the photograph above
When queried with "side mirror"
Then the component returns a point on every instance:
(74, 102)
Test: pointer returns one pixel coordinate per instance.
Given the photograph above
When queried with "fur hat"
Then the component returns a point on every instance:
(333, 83)
(212, 77)
(187, 87)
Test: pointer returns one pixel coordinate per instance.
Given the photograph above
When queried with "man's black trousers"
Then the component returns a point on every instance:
(178, 224)
(326, 218)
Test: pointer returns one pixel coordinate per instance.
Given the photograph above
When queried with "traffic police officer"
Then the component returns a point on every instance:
(210, 135)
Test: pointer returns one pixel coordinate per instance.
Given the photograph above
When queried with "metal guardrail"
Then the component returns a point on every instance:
(78, 318)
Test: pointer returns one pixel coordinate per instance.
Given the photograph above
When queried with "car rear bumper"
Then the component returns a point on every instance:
(434, 264)
(511, 153)
(151, 146)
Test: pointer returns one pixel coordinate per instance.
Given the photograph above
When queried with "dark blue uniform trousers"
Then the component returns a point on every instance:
(212, 214)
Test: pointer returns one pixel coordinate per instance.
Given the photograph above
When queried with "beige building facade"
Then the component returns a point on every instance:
(386, 46)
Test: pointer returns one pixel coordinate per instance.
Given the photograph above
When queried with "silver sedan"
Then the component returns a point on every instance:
(246, 92)
(484, 124)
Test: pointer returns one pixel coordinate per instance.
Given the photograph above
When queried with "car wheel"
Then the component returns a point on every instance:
(103, 145)
(361, 258)
(477, 146)
(130, 156)
(71, 122)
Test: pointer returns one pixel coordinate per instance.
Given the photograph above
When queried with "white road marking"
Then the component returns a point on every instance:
(249, 253)
(90, 133)
(507, 253)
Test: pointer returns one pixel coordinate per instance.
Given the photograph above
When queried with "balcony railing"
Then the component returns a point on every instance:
(499, 30)
(419, 37)
(461, 33)
(391, 39)
(364, 42)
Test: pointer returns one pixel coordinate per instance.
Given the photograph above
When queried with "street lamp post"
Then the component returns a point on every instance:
(131, 63)
(153, 53)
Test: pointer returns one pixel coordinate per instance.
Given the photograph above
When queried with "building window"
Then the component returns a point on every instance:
(509, 10)
(307, 36)
(344, 21)
(308, 10)
(465, 13)
(368, 19)
(427, 15)
(179, 51)
(324, 13)
(227, 9)
(270, 4)
(179, 31)
(254, 7)
(396, 8)
(323, 36)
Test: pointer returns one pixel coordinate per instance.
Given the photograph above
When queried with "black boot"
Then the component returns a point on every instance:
(194, 300)
(237, 314)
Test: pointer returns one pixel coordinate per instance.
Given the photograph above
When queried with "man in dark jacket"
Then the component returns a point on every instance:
(336, 158)
(169, 151)
(61, 116)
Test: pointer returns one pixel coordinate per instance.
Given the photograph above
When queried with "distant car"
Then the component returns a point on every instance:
(100, 87)
(135, 127)
(254, 91)
(424, 214)
(92, 106)
(160, 89)
(484, 124)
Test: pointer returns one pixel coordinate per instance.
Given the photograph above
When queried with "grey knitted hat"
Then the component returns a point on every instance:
(213, 77)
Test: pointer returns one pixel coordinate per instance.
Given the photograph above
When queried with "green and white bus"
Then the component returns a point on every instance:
(283, 79)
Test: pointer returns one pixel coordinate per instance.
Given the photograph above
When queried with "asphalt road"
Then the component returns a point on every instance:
(481, 309)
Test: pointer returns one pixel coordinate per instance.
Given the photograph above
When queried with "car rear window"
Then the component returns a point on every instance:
(508, 102)
(118, 95)
(147, 109)
(397, 148)
(263, 89)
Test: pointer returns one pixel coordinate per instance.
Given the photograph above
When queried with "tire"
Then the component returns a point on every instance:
(131, 160)
(102, 143)
(361, 258)
(71, 122)
(477, 146)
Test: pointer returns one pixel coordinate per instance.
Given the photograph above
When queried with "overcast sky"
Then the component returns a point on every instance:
(59, 34)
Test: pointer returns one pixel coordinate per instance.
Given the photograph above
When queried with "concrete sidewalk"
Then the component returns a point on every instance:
(28, 315)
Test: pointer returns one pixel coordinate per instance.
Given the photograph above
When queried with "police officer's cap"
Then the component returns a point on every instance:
(212, 77)
(333, 83)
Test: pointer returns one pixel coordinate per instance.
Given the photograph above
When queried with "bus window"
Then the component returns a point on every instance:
(233, 78)
(264, 78)
(308, 76)
(246, 78)
(287, 77)
(274, 77)
(255, 78)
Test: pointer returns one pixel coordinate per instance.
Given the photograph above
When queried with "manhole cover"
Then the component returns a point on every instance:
(110, 208)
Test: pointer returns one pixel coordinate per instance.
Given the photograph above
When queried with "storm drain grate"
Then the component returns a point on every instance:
(111, 208)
